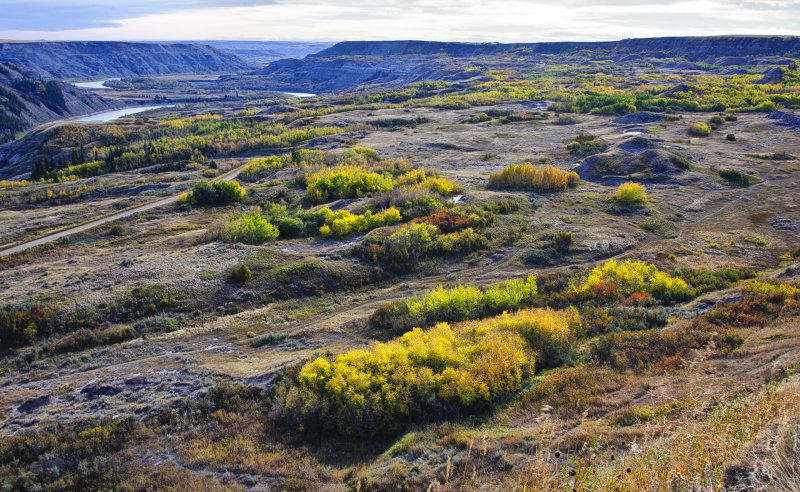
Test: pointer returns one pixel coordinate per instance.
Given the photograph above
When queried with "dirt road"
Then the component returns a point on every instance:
(105, 220)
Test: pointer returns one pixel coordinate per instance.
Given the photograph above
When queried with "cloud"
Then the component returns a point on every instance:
(487, 20)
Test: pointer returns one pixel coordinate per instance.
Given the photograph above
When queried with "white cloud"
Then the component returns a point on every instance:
(448, 20)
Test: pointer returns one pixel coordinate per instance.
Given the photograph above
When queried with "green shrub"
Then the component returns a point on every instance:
(22, 325)
(730, 137)
(216, 193)
(344, 181)
(736, 177)
(563, 241)
(480, 118)
(702, 281)
(630, 194)
(699, 130)
(503, 206)
(344, 223)
(527, 176)
(247, 228)
(460, 303)
(241, 274)
(257, 169)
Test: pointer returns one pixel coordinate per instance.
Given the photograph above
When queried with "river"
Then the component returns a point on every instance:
(118, 113)
(95, 84)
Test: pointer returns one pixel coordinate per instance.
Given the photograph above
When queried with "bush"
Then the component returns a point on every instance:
(257, 169)
(699, 130)
(456, 218)
(344, 181)
(563, 241)
(241, 274)
(737, 177)
(603, 320)
(216, 193)
(652, 349)
(421, 375)
(404, 247)
(247, 228)
(503, 206)
(460, 303)
(22, 325)
(614, 280)
(527, 176)
(344, 223)
(630, 194)
(702, 281)
(730, 137)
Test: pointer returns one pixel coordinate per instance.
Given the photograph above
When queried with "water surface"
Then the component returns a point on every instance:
(95, 84)
(119, 113)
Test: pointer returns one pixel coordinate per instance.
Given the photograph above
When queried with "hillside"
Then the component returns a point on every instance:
(392, 63)
(64, 60)
(26, 101)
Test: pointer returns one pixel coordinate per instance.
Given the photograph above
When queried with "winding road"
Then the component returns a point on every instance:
(109, 218)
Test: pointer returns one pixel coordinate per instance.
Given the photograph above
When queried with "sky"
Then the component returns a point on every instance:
(441, 20)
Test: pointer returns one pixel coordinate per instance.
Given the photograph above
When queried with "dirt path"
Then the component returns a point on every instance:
(104, 220)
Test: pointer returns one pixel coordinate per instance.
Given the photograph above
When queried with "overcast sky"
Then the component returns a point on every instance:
(444, 20)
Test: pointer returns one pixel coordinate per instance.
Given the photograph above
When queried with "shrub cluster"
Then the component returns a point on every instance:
(345, 181)
(22, 325)
(630, 194)
(527, 176)
(424, 374)
(216, 193)
(615, 280)
(763, 302)
(257, 169)
(456, 218)
(404, 247)
(460, 303)
(700, 130)
(247, 228)
(344, 223)
(737, 177)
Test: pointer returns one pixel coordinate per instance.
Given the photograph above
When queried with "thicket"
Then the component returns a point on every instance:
(613, 281)
(405, 247)
(527, 176)
(699, 130)
(247, 228)
(460, 303)
(216, 193)
(630, 194)
(23, 325)
(173, 143)
(354, 181)
(737, 177)
(345, 223)
(446, 370)
(455, 218)
(256, 169)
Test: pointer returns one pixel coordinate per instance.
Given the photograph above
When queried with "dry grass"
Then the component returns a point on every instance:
(693, 453)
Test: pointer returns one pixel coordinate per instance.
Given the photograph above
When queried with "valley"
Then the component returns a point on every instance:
(405, 266)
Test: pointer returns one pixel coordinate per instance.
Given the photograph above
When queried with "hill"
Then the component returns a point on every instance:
(64, 60)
